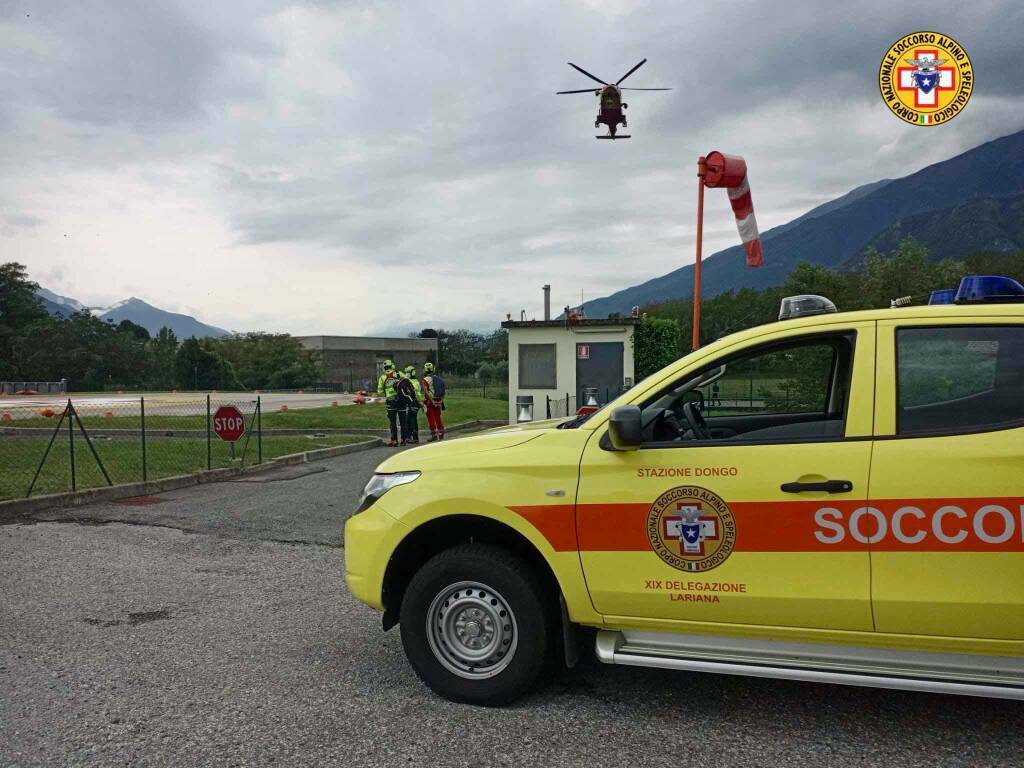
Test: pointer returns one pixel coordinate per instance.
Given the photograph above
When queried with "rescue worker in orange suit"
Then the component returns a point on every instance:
(433, 401)
(392, 404)
(408, 407)
(413, 410)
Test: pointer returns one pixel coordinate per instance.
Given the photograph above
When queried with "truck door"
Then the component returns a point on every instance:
(732, 520)
(947, 479)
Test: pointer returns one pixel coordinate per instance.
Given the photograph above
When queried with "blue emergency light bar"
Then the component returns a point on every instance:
(993, 289)
(945, 296)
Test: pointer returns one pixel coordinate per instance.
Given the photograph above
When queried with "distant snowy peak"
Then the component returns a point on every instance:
(134, 309)
(62, 301)
(153, 319)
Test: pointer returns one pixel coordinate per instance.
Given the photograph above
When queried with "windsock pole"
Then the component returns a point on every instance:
(702, 167)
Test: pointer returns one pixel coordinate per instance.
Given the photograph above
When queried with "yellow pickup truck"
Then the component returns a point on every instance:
(836, 497)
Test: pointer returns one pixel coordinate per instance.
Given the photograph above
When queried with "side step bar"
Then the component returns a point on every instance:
(611, 648)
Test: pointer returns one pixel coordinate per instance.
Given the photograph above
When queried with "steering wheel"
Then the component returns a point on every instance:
(696, 420)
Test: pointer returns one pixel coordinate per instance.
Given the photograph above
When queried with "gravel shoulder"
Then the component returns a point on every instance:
(204, 639)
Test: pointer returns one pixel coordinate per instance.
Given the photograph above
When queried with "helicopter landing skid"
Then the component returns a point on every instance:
(619, 136)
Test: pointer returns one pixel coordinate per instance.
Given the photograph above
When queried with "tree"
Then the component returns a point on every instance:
(90, 354)
(486, 373)
(655, 345)
(904, 272)
(162, 350)
(269, 360)
(19, 308)
(127, 326)
(199, 367)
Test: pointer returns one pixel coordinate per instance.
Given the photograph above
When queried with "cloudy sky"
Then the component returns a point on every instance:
(351, 167)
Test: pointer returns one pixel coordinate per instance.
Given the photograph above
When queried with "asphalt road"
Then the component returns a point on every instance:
(191, 633)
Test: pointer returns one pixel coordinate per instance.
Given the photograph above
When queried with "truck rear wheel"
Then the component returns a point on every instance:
(476, 626)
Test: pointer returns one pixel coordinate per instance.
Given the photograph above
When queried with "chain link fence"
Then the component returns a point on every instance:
(88, 443)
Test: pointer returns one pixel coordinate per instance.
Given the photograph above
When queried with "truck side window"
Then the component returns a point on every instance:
(790, 391)
(959, 378)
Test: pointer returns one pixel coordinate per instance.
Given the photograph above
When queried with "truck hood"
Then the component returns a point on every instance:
(491, 440)
(528, 426)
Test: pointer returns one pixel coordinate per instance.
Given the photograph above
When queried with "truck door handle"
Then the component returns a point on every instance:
(828, 486)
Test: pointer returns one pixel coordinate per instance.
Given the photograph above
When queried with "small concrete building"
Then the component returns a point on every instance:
(355, 362)
(555, 362)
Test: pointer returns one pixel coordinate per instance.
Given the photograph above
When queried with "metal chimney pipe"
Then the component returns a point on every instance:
(547, 302)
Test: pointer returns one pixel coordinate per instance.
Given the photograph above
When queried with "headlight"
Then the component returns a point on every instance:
(381, 484)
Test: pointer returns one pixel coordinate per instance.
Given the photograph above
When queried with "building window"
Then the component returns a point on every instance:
(959, 378)
(537, 366)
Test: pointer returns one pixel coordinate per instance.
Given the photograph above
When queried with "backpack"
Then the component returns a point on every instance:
(437, 387)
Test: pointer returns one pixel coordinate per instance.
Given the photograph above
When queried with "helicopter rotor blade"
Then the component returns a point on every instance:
(645, 89)
(580, 69)
(634, 69)
(583, 90)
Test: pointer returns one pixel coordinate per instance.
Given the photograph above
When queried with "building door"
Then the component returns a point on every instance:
(599, 366)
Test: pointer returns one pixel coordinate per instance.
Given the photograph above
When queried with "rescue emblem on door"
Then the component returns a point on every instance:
(691, 528)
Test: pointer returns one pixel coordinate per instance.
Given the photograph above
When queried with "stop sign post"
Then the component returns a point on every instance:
(228, 423)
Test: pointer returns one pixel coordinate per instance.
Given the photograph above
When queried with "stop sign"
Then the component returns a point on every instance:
(228, 423)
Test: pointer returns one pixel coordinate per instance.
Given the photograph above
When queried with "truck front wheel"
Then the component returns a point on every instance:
(476, 626)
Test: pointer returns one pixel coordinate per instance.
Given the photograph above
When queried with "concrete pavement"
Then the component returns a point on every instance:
(189, 633)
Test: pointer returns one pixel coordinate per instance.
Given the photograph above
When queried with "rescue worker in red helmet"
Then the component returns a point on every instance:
(433, 401)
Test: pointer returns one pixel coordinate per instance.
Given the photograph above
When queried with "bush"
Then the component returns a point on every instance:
(655, 345)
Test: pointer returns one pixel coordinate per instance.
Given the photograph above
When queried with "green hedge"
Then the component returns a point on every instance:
(656, 343)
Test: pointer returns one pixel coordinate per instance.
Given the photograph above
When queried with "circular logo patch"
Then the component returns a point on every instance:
(926, 78)
(691, 528)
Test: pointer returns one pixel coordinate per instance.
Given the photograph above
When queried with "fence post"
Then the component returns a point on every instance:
(142, 418)
(209, 455)
(548, 399)
(56, 431)
(71, 444)
(259, 431)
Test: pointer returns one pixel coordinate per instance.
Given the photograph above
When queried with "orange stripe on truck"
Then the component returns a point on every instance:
(885, 525)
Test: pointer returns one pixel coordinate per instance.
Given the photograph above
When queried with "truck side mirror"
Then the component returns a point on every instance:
(624, 428)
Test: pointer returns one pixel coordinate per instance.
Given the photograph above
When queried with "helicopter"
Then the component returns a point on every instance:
(612, 107)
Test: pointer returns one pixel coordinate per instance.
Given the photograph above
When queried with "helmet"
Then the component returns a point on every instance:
(428, 367)
(389, 365)
(410, 369)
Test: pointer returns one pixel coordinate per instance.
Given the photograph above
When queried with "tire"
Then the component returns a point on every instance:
(486, 608)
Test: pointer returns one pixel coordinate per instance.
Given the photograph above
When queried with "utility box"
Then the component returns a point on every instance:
(563, 364)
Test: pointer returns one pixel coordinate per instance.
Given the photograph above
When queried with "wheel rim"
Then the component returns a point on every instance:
(472, 630)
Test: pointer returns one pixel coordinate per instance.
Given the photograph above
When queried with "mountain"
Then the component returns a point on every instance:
(839, 231)
(990, 224)
(139, 312)
(153, 319)
(56, 304)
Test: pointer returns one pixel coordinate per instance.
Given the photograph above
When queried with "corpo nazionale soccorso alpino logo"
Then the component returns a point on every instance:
(926, 78)
(691, 528)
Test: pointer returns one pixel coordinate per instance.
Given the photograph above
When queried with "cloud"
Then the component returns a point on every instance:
(343, 166)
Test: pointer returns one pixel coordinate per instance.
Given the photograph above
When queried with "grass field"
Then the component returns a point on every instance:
(166, 456)
(192, 415)
(122, 457)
